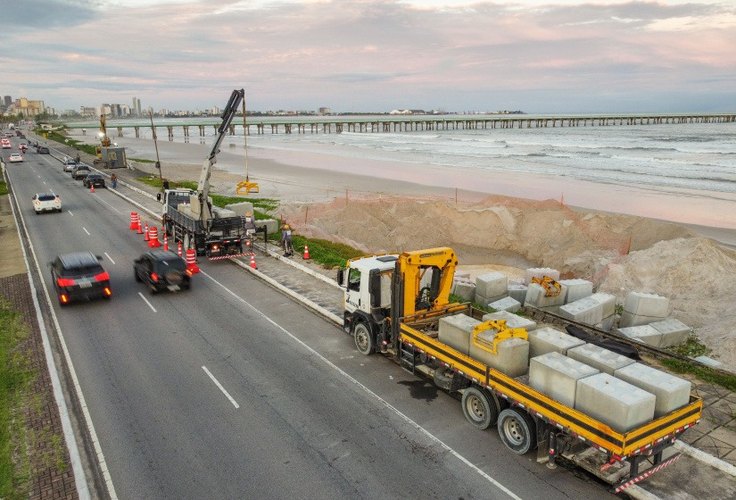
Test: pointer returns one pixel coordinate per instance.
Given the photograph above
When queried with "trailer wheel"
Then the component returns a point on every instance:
(517, 430)
(478, 408)
(364, 341)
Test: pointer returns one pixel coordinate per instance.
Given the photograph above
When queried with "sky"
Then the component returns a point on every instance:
(537, 56)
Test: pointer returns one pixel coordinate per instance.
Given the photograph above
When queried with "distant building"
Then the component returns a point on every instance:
(88, 111)
(27, 107)
(325, 111)
(136, 109)
(7, 100)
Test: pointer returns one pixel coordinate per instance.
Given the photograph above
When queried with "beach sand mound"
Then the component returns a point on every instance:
(619, 253)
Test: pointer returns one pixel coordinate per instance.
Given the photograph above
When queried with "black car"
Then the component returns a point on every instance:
(80, 172)
(79, 275)
(96, 180)
(162, 270)
(42, 149)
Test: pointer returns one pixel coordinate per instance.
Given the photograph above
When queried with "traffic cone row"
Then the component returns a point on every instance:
(153, 237)
(146, 235)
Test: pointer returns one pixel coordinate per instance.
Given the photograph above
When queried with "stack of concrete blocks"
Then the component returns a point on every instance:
(242, 208)
(463, 286)
(512, 320)
(541, 272)
(509, 304)
(547, 339)
(536, 296)
(674, 332)
(512, 354)
(615, 402)
(490, 287)
(646, 334)
(557, 376)
(671, 392)
(517, 291)
(598, 357)
(456, 330)
(643, 308)
(577, 289)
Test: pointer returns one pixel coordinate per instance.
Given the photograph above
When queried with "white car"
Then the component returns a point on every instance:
(15, 158)
(6, 144)
(46, 202)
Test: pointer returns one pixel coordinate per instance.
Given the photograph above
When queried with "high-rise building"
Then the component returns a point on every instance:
(7, 100)
(136, 109)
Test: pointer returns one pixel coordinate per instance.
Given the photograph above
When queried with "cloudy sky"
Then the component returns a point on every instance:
(539, 56)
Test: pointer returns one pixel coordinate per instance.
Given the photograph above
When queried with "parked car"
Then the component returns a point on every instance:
(79, 275)
(96, 180)
(5, 144)
(42, 149)
(162, 270)
(69, 166)
(15, 158)
(80, 172)
(46, 202)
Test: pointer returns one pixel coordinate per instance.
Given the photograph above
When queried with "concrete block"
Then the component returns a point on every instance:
(222, 213)
(491, 284)
(535, 296)
(511, 358)
(598, 357)
(483, 300)
(455, 331)
(674, 332)
(644, 308)
(607, 302)
(517, 291)
(671, 392)
(462, 275)
(577, 289)
(272, 225)
(709, 361)
(540, 272)
(243, 208)
(547, 339)
(556, 376)
(643, 333)
(607, 324)
(586, 310)
(506, 304)
(512, 320)
(614, 402)
(464, 289)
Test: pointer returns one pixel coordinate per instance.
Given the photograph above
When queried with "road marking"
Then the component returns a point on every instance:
(219, 386)
(85, 230)
(70, 213)
(146, 301)
(106, 203)
(355, 381)
(108, 256)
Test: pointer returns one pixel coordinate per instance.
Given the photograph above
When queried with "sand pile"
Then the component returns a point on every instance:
(618, 253)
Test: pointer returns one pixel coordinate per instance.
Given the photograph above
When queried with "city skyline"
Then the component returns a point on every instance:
(540, 57)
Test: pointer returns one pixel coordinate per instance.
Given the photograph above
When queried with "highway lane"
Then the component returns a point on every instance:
(301, 427)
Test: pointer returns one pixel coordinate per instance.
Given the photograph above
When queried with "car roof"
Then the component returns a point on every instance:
(79, 259)
(163, 255)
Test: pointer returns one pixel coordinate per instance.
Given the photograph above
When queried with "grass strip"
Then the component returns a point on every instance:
(3, 188)
(704, 373)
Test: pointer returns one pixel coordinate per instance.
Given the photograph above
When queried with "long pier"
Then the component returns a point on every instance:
(416, 123)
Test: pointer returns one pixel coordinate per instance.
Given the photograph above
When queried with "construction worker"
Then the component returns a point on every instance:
(114, 180)
(286, 239)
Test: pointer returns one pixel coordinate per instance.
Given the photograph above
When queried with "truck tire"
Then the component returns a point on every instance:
(364, 340)
(479, 408)
(517, 430)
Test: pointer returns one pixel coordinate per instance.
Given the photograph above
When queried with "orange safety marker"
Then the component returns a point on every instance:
(166, 242)
(178, 249)
(139, 228)
(153, 237)
(146, 236)
(192, 266)
(253, 261)
(306, 253)
(133, 221)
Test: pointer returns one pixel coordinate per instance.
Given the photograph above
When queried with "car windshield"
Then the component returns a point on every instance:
(171, 264)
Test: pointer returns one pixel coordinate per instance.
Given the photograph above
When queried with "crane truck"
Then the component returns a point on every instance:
(189, 215)
(393, 305)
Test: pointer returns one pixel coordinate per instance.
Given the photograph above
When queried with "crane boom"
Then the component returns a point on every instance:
(203, 187)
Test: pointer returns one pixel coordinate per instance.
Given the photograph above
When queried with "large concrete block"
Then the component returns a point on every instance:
(517, 291)
(244, 208)
(485, 301)
(556, 376)
(674, 332)
(536, 296)
(644, 308)
(491, 284)
(511, 358)
(671, 392)
(540, 272)
(614, 402)
(607, 302)
(512, 320)
(547, 339)
(598, 357)
(586, 310)
(643, 333)
(506, 304)
(464, 289)
(577, 289)
(455, 331)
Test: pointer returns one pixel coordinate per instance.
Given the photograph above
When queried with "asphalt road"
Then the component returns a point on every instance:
(232, 390)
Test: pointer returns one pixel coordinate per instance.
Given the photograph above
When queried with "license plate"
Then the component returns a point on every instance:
(84, 284)
(173, 288)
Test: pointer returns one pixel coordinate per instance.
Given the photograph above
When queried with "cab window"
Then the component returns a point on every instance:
(354, 280)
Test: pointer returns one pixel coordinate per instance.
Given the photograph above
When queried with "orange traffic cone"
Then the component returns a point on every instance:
(192, 266)
(166, 242)
(253, 261)
(139, 228)
(306, 253)
(146, 236)
(178, 249)
(153, 237)
(133, 221)
(91, 188)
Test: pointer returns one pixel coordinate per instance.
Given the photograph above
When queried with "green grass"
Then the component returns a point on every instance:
(691, 348)
(142, 160)
(3, 188)
(704, 373)
(63, 139)
(16, 377)
(324, 252)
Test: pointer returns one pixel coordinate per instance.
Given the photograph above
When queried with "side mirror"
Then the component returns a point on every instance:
(158, 197)
(340, 276)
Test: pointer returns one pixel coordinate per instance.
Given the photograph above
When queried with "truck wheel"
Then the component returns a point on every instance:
(363, 339)
(478, 407)
(517, 430)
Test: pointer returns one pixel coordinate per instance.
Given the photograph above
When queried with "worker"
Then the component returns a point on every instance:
(114, 181)
(165, 184)
(286, 239)
(250, 225)
(77, 158)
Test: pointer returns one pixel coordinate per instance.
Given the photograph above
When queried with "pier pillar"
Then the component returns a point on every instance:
(120, 131)
(171, 132)
(137, 132)
(201, 130)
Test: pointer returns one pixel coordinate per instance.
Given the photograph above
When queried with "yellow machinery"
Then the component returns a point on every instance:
(246, 186)
(551, 287)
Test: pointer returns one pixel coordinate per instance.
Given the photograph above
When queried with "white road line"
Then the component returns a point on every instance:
(85, 230)
(106, 203)
(388, 405)
(70, 213)
(146, 301)
(108, 256)
(219, 386)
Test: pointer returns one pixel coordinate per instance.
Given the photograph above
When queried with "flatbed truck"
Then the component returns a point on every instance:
(393, 304)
